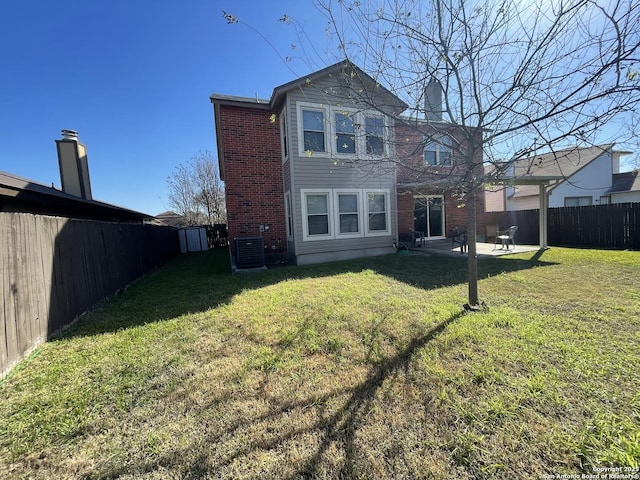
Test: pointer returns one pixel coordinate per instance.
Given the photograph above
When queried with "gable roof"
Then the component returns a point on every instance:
(170, 218)
(342, 68)
(625, 182)
(18, 194)
(558, 164)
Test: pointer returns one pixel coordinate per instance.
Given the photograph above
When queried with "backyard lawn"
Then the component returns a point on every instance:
(362, 369)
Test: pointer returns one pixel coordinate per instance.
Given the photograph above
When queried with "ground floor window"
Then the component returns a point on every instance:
(577, 201)
(287, 203)
(344, 213)
(348, 214)
(428, 215)
(377, 208)
(317, 213)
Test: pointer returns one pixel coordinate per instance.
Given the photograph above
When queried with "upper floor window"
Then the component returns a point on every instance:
(313, 128)
(437, 150)
(345, 133)
(283, 130)
(374, 135)
(342, 131)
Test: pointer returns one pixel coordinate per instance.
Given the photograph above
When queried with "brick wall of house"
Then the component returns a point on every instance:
(410, 150)
(454, 214)
(253, 174)
(405, 213)
(433, 180)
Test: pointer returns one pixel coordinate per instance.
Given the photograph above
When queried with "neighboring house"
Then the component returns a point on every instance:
(494, 197)
(74, 200)
(625, 187)
(585, 176)
(21, 195)
(312, 170)
(171, 219)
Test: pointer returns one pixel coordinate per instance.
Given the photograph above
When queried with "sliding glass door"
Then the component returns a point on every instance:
(428, 216)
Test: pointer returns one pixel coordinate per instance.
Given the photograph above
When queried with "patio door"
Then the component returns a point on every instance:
(428, 216)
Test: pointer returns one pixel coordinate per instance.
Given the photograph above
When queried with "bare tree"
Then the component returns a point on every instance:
(517, 78)
(210, 189)
(196, 191)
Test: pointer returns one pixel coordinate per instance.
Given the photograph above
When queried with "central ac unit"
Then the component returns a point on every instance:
(249, 252)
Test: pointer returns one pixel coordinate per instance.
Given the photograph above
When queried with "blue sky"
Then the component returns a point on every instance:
(134, 79)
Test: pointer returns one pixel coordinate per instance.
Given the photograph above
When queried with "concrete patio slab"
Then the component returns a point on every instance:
(483, 249)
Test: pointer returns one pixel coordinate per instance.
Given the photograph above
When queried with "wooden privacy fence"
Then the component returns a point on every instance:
(53, 269)
(615, 226)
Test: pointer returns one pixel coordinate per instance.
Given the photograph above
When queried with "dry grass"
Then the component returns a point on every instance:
(363, 369)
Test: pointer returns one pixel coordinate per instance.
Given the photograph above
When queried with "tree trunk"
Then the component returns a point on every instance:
(472, 257)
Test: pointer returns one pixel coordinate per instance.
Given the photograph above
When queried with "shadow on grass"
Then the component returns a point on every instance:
(342, 427)
(337, 429)
(196, 282)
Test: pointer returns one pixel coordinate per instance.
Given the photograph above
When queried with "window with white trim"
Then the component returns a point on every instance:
(283, 130)
(341, 131)
(345, 133)
(316, 209)
(374, 135)
(348, 218)
(577, 201)
(437, 150)
(344, 213)
(313, 130)
(377, 207)
(287, 204)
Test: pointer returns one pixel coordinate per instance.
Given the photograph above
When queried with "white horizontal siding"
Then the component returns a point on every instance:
(322, 172)
(344, 244)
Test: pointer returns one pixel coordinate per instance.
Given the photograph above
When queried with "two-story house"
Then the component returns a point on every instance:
(314, 169)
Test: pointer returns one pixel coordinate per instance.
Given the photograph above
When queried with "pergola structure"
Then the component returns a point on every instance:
(543, 183)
